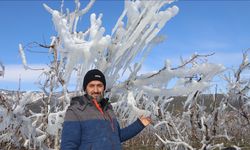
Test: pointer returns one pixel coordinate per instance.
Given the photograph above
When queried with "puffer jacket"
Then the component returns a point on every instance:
(87, 128)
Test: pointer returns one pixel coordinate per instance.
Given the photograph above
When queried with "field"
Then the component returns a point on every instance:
(236, 124)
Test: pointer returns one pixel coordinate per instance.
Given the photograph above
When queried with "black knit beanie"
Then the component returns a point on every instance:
(92, 75)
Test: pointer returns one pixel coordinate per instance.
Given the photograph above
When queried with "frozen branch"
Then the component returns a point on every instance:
(2, 69)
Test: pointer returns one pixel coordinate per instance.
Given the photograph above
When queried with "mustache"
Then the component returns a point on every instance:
(97, 93)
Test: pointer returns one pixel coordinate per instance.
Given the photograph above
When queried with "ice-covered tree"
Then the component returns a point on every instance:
(75, 52)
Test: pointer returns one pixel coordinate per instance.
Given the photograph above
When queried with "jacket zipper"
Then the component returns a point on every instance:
(101, 111)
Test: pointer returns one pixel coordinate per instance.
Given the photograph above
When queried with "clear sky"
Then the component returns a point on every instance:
(204, 27)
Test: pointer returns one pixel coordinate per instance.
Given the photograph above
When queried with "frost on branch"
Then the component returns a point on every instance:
(110, 53)
(2, 69)
(238, 87)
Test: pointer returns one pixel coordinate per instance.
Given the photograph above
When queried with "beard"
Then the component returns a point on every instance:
(97, 96)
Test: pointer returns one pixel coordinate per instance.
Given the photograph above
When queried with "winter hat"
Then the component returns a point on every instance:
(92, 75)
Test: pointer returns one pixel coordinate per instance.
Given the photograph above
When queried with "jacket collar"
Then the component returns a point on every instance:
(103, 103)
(82, 101)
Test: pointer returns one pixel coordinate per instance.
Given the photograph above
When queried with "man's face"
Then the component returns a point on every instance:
(95, 89)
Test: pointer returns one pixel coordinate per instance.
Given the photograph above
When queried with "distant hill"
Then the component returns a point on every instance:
(174, 106)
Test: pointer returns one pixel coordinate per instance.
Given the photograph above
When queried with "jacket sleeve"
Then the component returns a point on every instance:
(71, 132)
(131, 130)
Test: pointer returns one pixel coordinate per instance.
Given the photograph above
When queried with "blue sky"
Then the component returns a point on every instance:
(204, 27)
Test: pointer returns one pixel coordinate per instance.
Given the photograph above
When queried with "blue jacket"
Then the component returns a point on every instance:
(86, 128)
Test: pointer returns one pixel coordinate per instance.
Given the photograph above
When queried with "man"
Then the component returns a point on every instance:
(90, 123)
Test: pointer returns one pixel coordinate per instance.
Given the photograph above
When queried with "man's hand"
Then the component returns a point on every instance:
(145, 120)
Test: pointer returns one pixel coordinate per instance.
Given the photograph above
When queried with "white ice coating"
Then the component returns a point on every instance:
(94, 49)
(22, 54)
